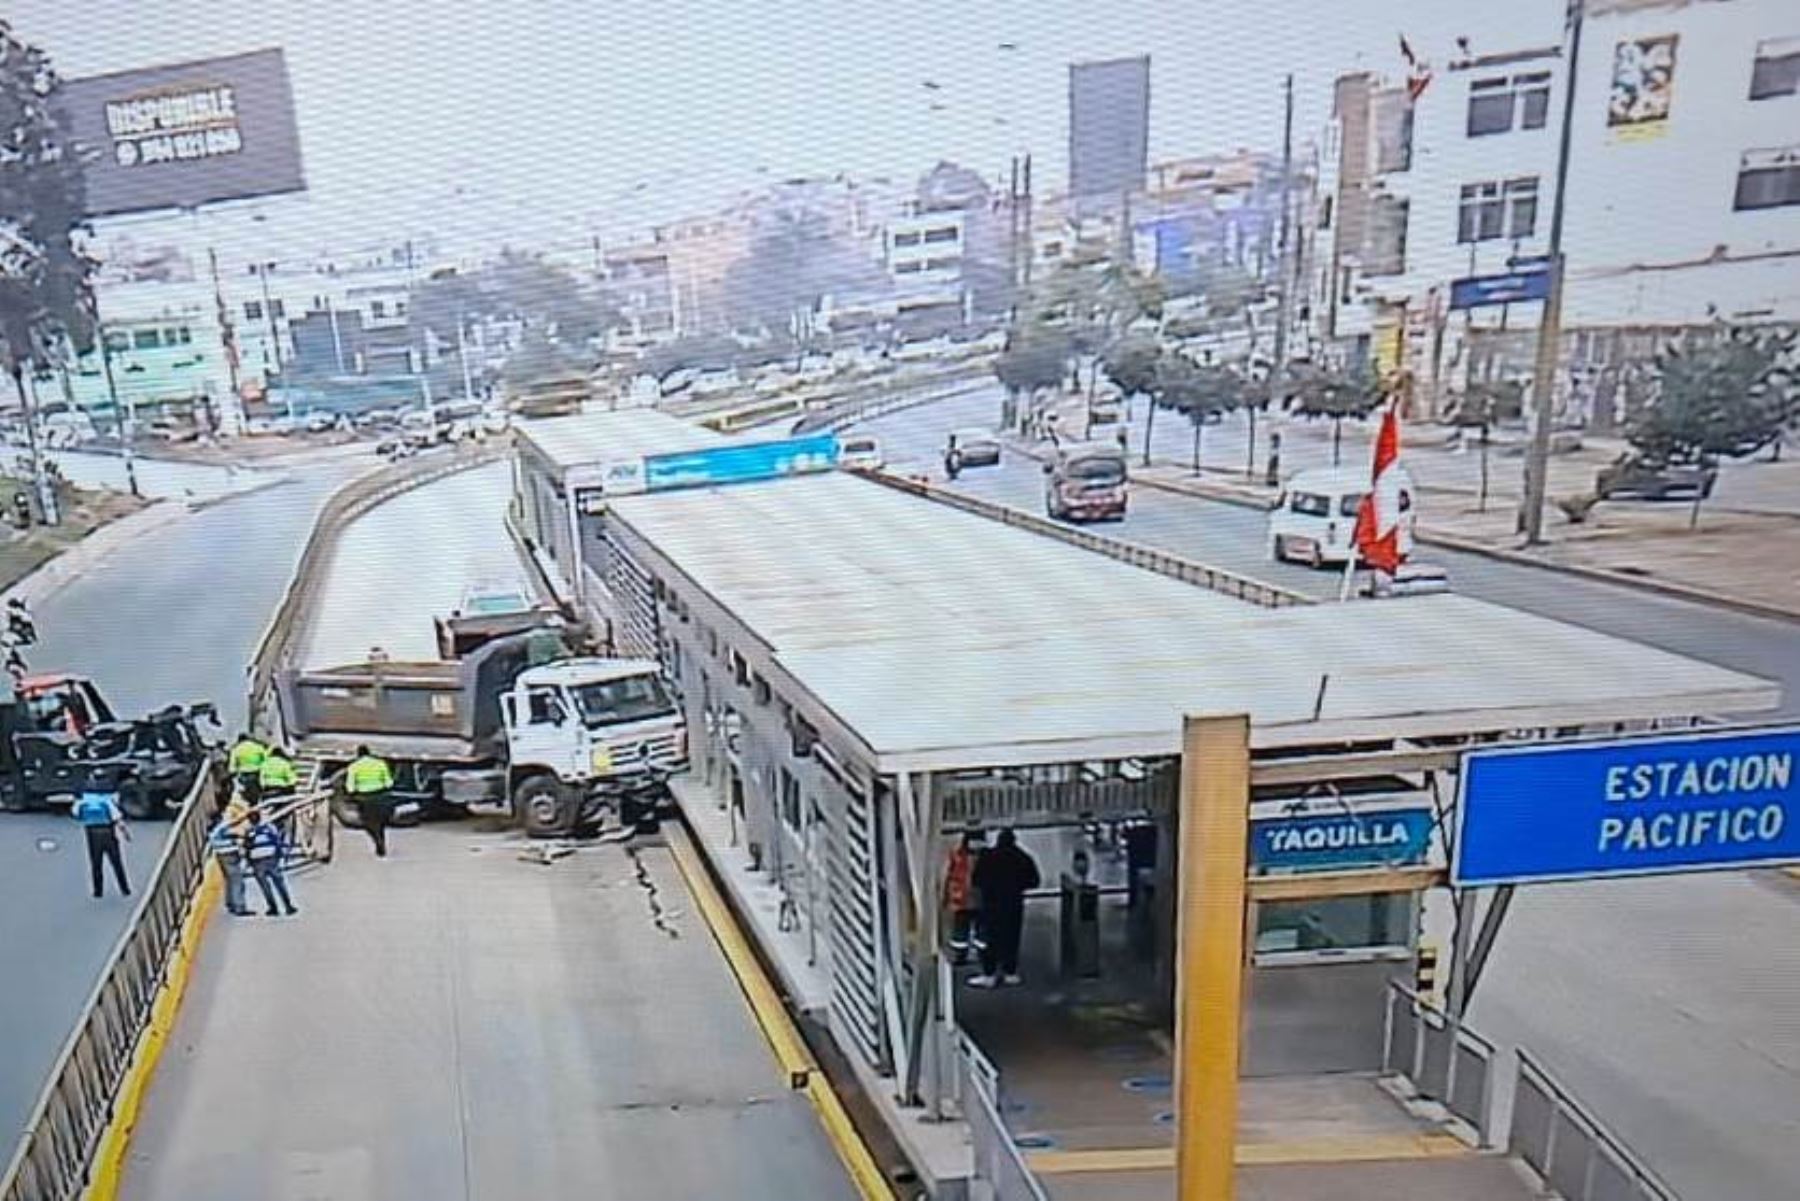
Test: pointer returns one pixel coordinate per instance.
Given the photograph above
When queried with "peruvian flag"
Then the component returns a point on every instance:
(1382, 537)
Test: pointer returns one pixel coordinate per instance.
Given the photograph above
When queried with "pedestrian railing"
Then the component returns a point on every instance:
(288, 623)
(1188, 571)
(1443, 1060)
(60, 1140)
(1000, 1171)
(1569, 1149)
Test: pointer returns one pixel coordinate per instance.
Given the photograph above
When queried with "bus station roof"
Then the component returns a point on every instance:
(942, 640)
(588, 439)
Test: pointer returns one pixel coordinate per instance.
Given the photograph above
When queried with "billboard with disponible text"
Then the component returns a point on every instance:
(1109, 129)
(179, 136)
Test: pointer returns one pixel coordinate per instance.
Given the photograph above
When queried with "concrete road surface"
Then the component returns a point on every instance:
(1669, 1005)
(454, 1024)
(407, 561)
(170, 617)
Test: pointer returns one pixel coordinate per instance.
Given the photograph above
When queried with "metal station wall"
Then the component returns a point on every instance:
(808, 820)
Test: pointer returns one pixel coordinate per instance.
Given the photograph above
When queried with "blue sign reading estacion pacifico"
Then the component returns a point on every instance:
(740, 464)
(1386, 838)
(1642, 806)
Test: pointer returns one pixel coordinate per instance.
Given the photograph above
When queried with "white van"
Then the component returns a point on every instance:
(1313, 521)
(860, 452)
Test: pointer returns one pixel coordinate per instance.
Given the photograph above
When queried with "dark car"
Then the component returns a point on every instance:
(1648, 480)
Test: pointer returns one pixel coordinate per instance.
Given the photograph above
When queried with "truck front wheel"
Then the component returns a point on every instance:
(545, 807)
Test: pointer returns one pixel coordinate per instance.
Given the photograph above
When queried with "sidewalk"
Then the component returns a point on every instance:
(1744, 551)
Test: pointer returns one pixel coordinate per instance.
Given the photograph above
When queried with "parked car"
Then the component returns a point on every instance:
(972, 446)
(1631, 475)
(860, 452)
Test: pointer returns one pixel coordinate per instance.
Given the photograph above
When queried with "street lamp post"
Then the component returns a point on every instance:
(1543, 375)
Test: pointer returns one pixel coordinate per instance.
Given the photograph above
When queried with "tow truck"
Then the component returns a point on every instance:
(512, 716)
(59, 737)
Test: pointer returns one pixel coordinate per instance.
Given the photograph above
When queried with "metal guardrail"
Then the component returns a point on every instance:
(1215, 579)
(1569, 1149)
(349, 502)
(56, 1152)
(1444, 1061)
(1000, 1172)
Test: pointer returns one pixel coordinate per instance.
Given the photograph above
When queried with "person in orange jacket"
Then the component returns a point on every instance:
(960, 900)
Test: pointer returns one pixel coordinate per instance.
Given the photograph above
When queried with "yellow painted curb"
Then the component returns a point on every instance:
(109, 1157)
(777, 1026)
(1318, 1150)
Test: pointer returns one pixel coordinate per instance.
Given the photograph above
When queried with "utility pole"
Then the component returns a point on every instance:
(1543, 375)
(1025, 223)
(1278, 368)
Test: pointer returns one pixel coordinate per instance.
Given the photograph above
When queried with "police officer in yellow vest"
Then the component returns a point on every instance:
(278, 777)
(369, 782)
(247, 755)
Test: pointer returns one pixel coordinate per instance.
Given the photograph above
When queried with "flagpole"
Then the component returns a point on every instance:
(1349, 572)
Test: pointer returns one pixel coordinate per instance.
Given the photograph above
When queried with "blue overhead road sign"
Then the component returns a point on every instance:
(1634, 807)
(1476, 291)
(740, 464)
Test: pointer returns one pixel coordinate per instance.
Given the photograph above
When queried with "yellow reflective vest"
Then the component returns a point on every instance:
(368, 774)
(277, 771)
(247, 756)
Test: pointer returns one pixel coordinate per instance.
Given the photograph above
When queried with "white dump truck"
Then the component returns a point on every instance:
(516, 721)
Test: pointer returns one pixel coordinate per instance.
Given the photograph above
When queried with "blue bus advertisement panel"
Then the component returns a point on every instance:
(740, 464)
(1637, 807)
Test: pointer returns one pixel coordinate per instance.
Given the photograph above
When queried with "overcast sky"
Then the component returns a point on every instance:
(537, 120)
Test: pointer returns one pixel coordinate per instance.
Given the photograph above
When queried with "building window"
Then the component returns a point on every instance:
(253, 310)
(1325, 212)
(146, 339)
(1768, 179)
(1495, 104)
(941, 264)
(908, 268)
(1494, 210)
(377, 308)
(399, 308)
(911, 239)
(1777, 69)
(946, 234)
(1385, 253)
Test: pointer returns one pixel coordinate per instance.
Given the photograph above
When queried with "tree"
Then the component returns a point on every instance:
(1332, 394)
(1131, 364)
(1482, 405)
(1204, 393)
(700, 352)
(1032, 362)
(1719, 397)
(46, 279)
(793, 263)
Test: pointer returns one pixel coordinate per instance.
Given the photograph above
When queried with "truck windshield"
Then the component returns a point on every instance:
(632, 698)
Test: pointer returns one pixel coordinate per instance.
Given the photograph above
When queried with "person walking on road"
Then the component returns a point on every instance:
(369, 781)
(245, 763)
(98, 813)
(263, 846)
(1003, 876)
(225, 840)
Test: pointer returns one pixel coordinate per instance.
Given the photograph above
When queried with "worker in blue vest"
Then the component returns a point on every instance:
(226, 841)
(263, 847)
(97, 809)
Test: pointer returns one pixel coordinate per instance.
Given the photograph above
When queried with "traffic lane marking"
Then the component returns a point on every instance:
(1298, 1151)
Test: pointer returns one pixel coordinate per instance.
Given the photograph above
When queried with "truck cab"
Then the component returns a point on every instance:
(582, 733)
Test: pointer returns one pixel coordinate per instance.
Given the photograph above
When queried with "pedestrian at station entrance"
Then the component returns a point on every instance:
(98, 812)
(1003, 876)
(226, 841)
(370, 783)
(264, 846)
(245, 763)
(960, 899)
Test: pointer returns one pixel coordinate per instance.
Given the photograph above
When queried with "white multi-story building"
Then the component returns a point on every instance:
(1683, 203)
